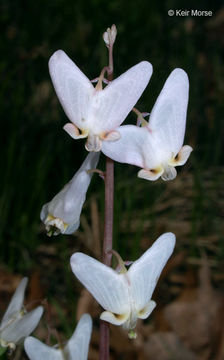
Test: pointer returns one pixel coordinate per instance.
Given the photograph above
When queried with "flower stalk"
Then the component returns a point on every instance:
(104, 345)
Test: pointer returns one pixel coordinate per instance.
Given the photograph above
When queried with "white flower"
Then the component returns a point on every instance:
(96, 112)
(76, 348)
(62, 213)
(125, 296)
(17, 324)
(157, 146)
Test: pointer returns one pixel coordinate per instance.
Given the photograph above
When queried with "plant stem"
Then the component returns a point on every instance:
(107, 247)
(108, 229)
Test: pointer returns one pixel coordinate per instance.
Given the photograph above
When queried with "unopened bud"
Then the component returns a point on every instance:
(110, 35)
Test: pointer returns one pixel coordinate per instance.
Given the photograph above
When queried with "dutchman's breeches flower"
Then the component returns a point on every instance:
(62, 213)
(125, 296)
(17, 324)
(76, 348)
(156, 147)
(95, 112)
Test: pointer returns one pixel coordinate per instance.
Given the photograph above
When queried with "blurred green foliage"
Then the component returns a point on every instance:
(38, 157)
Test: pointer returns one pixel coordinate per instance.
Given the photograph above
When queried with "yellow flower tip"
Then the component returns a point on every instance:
(182, 156)
(110, 136)
(151, 174)
(75, 132)
(115, 319)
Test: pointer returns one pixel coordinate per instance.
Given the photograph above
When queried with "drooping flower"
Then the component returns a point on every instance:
(16, 323)
(125, 296)
(156, 147)
(76, 348)
(62, 213)
(95, 112)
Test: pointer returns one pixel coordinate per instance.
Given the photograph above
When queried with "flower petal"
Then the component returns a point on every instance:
(113, 318)
(106, 286)
(36, 350)
(168, 116)
(182, 156)
(169, 173)
(112, 105)
(129, 148)
(111, 136)
(73, 131)
(16, 303)
(146, 311)
(94, 143)
(78, 345)
(152, 175)
(73, 88)
(144, 272)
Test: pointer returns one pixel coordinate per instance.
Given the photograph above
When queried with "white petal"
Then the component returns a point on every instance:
(78, 345)
(21, 328)
(90, 162)
(74, 132)
(67, 204)
(144, 272)
(130, 147)
(146, 311)
(108, 287)
(169, 173)
(152, 175)
(111, 136)
(94, 143)
(114, 319)
(73, 88)
(36, 350)
(182, 156)
(168, 117)
(72, 228)
(16, 303)
(111, 106)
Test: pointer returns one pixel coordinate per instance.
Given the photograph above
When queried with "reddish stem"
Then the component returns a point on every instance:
(107, 247)
(108, 230)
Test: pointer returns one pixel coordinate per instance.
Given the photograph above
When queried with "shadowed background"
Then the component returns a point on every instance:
(38, 157)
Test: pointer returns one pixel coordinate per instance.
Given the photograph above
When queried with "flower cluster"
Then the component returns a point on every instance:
(155, 146)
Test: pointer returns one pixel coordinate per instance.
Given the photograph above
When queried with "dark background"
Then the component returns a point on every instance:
(38, 157)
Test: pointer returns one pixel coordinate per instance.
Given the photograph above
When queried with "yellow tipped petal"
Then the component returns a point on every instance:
(115, 319)
(152, 174)
(182, 156)
(146, 311)
(74, 132)
(111, 136)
